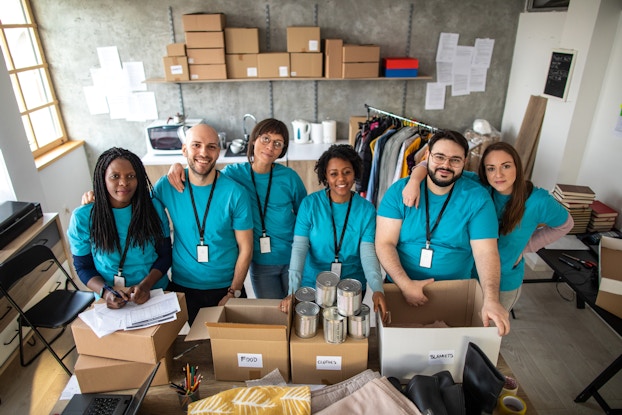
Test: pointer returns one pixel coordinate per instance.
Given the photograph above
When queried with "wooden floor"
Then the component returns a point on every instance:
(554, 349)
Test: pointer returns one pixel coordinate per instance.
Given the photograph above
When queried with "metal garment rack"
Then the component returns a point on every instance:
(406, 120)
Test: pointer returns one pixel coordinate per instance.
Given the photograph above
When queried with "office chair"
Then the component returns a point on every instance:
(55, 311)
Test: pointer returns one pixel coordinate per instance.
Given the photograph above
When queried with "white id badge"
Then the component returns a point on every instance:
(336, 268)
(202, 253)
(119, 281)
(264, 245)
(426, 258)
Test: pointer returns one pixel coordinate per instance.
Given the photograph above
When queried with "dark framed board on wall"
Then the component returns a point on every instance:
(559, 73)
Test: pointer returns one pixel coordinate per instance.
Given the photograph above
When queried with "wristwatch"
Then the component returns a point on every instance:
(235, 293)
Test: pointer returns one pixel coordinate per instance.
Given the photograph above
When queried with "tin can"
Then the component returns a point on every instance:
(307, 316)
(349, 297)
(304, 294)
(358, 325)
(326, 288)
(334, 326)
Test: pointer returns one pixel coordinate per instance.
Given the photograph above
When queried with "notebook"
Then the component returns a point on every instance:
(109, 404)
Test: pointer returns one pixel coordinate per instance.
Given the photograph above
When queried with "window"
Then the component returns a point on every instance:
(30, 77)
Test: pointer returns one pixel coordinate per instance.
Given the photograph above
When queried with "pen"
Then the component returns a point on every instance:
(586, 264)
(185, 351)
(113, 291)
(570, 264)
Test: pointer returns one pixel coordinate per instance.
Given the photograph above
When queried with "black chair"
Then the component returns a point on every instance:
(55, 311)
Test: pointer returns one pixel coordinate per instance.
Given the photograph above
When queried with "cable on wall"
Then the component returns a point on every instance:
(171, 29)
(407, 53)
(315, 86)
(268, 47)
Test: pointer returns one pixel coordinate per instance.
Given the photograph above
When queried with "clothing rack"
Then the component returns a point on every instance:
(407, 120)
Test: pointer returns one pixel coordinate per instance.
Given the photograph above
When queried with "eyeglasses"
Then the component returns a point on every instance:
(277, 144)
(441, 158)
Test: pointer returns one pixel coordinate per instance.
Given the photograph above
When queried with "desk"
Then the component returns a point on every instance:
(162, 400)
(586, 289)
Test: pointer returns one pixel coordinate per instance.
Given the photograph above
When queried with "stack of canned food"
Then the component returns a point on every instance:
(342, 309)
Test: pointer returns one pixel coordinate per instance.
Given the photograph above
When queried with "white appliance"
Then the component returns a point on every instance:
(165, 137)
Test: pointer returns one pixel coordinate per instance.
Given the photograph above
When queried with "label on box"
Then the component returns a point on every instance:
(441, 357)
(328, 362)
(283, 71)
(177, 70)
(251, 72)
(250, 360)
(314, 46)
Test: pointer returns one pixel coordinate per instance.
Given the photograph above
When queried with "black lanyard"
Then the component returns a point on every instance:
(209, 201)
(345, 223)
(428, 231)
(262, 213)
(124, 254)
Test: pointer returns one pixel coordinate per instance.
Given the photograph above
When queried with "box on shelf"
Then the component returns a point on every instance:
(406, 350)
(610, 275)
(400, 63)
(198, 40)
(273, 65)
(314, 361)
(249, 338)
(360, 69)
(99, 374)
(176, 49)
(361, 53)
(146, 345)
(305, 65)
(400, 73)
(333, 58)
(206, 56)
(203, 22)
(240, 66)
(176, 68)
(207, 72)
(303, 39)
(242, 40)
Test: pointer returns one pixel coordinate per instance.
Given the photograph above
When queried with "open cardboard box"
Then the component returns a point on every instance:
(406, 351)
(147, 345)
(610, 275)
(249, 338)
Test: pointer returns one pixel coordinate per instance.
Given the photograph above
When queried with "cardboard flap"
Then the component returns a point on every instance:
(236, 331)
(610, 258)
(198, 331)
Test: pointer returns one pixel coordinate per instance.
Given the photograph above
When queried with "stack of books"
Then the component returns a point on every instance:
(603, 217)
(577, 200)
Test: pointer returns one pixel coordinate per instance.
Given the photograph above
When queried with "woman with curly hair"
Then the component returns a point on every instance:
(122, 239)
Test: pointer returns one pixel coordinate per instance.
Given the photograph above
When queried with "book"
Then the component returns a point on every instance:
(573, 199)
(574, 190)
(601, 210)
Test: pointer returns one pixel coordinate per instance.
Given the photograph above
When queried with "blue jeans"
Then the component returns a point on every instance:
(270, 281)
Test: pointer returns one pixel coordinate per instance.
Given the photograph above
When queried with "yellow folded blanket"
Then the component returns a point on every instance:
(256, 400)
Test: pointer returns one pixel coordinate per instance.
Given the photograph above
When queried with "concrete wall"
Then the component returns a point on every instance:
(72, 30)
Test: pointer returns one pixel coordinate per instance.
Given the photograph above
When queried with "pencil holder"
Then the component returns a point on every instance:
(185, 400)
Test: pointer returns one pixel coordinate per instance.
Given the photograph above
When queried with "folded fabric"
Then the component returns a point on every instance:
(328, 395)
(376, 397)
(258, 400)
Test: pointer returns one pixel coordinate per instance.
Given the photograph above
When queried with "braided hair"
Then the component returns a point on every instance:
(145, 226)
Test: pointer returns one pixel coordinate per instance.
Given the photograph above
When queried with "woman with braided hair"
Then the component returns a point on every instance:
(122, 240)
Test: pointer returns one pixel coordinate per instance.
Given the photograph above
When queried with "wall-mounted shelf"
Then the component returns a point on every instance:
(163, 81)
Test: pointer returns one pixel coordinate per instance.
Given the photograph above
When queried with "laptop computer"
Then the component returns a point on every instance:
(109, 404)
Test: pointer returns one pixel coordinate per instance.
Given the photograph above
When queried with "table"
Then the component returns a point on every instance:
(162, 400)
(585, 284)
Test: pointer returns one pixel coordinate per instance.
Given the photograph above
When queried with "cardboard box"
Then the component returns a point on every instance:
(273, 65)
(361, 53)
(198, 40)
(176, 68)
(176, 49)
(146, 345)
(206, 56)
(314, 361)
(242, 40)
(241, 65)
(203, 22)
(303, 39)
(610, 275)
(249, 338)
(203, 72)
(333, 52)
(353, 128)
(305, 65)
(406, 350)
(360, 70)
(99, 374)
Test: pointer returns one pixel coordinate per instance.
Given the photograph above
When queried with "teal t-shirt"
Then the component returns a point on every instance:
(469, 215)
(286, 194)
(138, 261)
(229, 211)
(314, 222)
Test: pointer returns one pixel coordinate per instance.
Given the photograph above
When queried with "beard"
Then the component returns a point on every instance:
(443, 182)
(201, 170)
